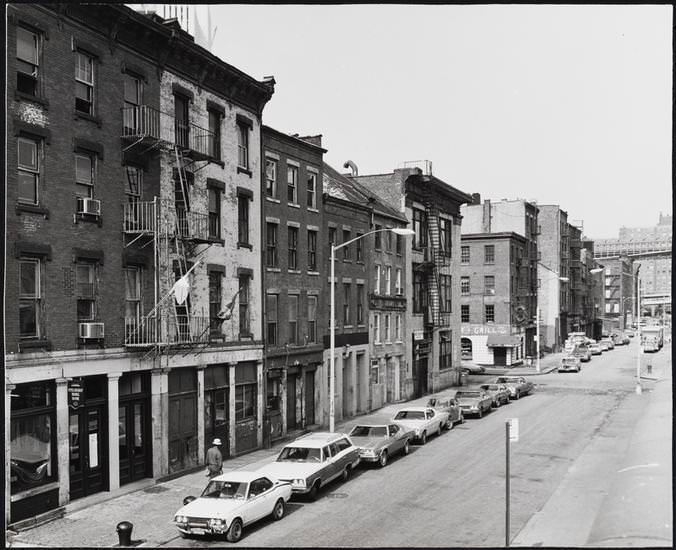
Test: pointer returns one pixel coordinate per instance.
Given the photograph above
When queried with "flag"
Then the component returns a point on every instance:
(181, 289)
(226, 313)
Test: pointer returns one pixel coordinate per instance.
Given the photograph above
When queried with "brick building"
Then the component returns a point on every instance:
(370, 300)
(494, 298)
(132, 146)
(295, 308)
(432, 208)
(620, 297)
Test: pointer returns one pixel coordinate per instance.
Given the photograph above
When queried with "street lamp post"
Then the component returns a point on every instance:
(332, 405)
(639, 390)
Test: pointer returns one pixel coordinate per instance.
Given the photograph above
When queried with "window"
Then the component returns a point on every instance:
(27, 64)
(346, 249)
(420, 228)
(243, 146)
(399, 285)
(445, 350)
(346, 303)
(464, 286)
(84, 279)
(311, 250)
(29, 298)
(388, 280)
(360, 304)
(85, 166)
(293, 247)
(132, 291)
(376, 328)
(214, 136)
(245, 401)
(84, 83)
(311, 190)
(397, 327)
(464, 313)
(445, 236)
(271, 245)
(376, 290)
(375, 371)
(464, 254)
(360, 248)
(134, 187)
(271, 177)
(133, 98)
(489, 285)
(388, 241)
(28, 170)
(215, 299)
(244, 324)
(445, 298)
(489, 254)
(215, 213)
(312, 319)
(490, 313)
(271, 313)
(419, 292)
(332, 236)
(293, 319)
(387, 328)
(243, 219)
(292, 184)
(379, 237)
(399, 244)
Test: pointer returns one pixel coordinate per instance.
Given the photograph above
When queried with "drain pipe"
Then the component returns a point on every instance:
(352, 166)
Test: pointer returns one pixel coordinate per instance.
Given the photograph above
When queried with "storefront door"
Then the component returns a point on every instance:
(309, 398)
(217, 419)
(133, 441)
(182, 420)
(500, 357)
(291, 402)
(88, 451)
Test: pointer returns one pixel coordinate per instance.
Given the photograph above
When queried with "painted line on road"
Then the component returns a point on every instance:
(651, 465)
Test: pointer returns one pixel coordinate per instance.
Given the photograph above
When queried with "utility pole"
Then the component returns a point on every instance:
(640, 343)
(537, 338)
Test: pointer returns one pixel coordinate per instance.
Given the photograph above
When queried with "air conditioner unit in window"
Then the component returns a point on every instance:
(91, 330)
(89, 206)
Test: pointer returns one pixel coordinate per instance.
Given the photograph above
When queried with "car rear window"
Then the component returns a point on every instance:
(410, 415)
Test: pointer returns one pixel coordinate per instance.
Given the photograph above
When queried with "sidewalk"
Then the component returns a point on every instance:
(548, 363)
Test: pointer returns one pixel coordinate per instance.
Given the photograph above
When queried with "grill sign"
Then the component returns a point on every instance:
(75, 390)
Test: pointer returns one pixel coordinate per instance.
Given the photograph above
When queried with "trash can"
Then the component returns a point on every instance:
(124, 529)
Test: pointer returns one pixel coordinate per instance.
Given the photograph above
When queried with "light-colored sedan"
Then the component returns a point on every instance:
(449, 404)
(230, 502)
(595, 349)
(499, 393)
(378, 441)
(424, 421)
(474, 402)
(517, 385)
(570, 363)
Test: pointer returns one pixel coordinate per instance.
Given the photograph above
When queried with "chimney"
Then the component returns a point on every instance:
(486, 220)
(314, 140)
(476, 198)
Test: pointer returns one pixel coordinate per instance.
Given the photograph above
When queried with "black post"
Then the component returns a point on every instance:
(507, 483)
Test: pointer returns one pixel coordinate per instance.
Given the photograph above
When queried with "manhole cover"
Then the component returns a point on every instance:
(336, 495)
(155, 489)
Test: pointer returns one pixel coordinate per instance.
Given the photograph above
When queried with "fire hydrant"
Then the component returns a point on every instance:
(124, 529)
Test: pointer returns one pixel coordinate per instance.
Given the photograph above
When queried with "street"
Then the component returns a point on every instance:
(451, 492)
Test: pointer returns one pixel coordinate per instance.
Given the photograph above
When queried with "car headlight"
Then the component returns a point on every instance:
(299, 482)
(217, 524)
(181, 519)
(368, 452)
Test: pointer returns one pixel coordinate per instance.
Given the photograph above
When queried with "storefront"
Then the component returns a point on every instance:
(182, 419)
(505, 347)
(135, 449)
(33, 475)
(246, 407)
(217, 407)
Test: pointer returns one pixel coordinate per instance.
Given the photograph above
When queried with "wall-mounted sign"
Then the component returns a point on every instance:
(476, 329)
(75, 389)
(418, 335)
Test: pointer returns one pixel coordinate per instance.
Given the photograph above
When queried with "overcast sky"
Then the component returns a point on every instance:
(567, 105)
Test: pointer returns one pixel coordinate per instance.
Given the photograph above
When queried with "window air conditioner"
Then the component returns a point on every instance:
(89, 206)
(91, 330)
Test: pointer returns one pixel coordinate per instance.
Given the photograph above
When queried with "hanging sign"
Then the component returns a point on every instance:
(75, 389)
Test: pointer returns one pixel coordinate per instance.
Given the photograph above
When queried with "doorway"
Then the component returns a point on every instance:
(88, 457)
(133, 441)
(500, 357)
(217, 419)
(290, 402)
(182, 420)
(309, 398)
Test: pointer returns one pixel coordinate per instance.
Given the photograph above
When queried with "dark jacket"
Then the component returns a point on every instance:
(214, 460)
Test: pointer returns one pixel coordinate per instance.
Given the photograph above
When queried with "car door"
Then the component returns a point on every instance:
(430, 421)
(395, 440)
(259, 501)
(328, 471)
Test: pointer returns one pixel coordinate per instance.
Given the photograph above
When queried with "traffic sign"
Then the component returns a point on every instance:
(513, 429)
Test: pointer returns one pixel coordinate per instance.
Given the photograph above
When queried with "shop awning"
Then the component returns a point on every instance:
(503, 341)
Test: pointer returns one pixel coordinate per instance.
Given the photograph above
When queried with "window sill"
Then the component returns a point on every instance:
(216, 240)
(246, 171)
(311, 209)
(32, 208)
(22, 96)
(273, 269)
(215, 160)
(313, 272)
(296, 271)
(89, 218)
(293, 205)
(35, 343)
(271, 199)
(377, 343)
(348, 326)
(245, 245)
(86, 116)
(246, 336)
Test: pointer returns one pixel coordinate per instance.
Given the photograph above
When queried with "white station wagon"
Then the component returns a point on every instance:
(313, 460)
(230, 502)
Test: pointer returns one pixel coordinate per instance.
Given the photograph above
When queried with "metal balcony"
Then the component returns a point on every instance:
(166, 330)
(142, 218)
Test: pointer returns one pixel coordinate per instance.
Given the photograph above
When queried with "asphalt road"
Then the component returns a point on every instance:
(451, 491)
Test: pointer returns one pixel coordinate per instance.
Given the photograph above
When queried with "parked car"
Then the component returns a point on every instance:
(231, 502)
(470, 368)
(617, 339)
(313, 460)
(608, 342)
(582, 351)
(517, 385)
(424, 421)
(595, 348)
(498, 392)
(377, 440)
(604, 345)
(625, 339)
(570, 363)
(449, 404)
(629, 333)
(474, 402)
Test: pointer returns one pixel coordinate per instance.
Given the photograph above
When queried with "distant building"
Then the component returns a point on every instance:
(620, 301)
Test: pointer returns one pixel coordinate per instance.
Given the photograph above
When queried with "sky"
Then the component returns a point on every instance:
(567, 105)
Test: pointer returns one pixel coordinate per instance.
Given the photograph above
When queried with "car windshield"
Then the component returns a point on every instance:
(299, 454)
(410, 415)
(462, 394)
(369, 431)
(225, 489)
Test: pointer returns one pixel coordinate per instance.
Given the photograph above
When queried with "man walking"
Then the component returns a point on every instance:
(214, 459)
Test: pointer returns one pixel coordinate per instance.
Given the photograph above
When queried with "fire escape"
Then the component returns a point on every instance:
(176, 232)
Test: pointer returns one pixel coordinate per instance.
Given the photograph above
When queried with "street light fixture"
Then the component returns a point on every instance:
(403, 231)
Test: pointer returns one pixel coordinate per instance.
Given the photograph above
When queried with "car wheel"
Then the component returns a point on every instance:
(347, 472)
(423, 438)
(496, 403)
(235, 531)
(383, 459)
(407, 449)
(278, 510)
(314, 491)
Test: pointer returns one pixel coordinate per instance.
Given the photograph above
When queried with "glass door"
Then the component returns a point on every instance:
(87, 440)
(133, 444)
